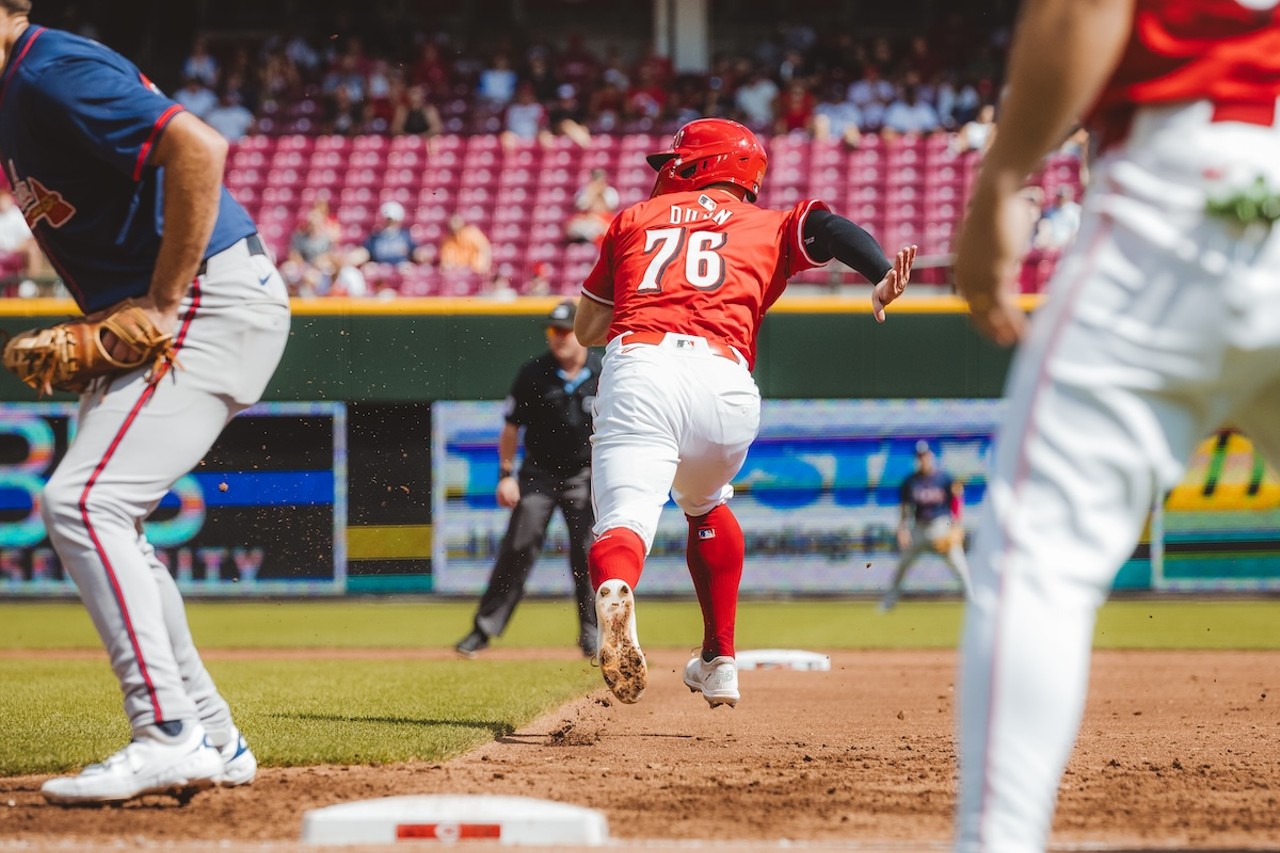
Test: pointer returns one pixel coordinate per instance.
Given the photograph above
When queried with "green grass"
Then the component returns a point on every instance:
(58, 715)
(820, 624)
(61, 714)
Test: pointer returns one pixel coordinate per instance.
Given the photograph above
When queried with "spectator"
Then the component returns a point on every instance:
(595, 204)
(540, 77)
(978, 134)
(343, 114)
(431, 70)
(345, 75)
(539, 282)
(648, 97)
(525, 118)
(196, 97)
(19, 253)
(497, 83)
(794, 109)
(607, 104)
(755, 99)
(311, 239)
(201, 64)
(465, 248)
(567, 118)
(390, 243)
(871, 87)
(229, 117)
(910, 115)
(1060, 222)
(835, 118)
(576, 63)
(416, 115)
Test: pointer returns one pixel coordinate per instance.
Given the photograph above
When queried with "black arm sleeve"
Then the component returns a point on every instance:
(828, 235)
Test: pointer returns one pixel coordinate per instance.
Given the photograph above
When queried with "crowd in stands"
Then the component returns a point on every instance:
(863, 99)
(833, 86)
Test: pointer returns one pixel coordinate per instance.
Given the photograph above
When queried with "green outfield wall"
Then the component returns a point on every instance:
(412, 350)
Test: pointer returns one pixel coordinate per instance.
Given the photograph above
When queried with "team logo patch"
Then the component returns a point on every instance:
(39, 202)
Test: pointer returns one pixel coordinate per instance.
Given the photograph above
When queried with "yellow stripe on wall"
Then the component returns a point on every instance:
(389, 542)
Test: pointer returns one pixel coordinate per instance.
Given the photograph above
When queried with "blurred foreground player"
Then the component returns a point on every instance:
(123, 190)
(1162, 323)
(678, 294)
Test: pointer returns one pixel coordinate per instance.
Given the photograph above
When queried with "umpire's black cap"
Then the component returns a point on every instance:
(561, 317)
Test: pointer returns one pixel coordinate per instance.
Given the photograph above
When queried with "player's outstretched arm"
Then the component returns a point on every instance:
(894, 282)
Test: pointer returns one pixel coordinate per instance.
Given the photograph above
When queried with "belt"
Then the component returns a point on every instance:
(655, 338)
(253, 243)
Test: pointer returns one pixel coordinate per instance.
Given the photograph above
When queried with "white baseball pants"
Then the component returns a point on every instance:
(671, 418)
(133, 441)
(1162, 324)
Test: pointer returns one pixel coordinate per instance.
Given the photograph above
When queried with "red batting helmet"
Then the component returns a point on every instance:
(711, 151)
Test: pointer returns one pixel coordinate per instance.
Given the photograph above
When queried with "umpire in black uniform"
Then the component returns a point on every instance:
(551, 400)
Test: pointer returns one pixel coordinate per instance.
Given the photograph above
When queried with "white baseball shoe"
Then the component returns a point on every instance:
(717, 679)
(239, 765)
(621, 662)
(154, 763)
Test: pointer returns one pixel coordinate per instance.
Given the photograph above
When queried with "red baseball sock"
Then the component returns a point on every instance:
(618, 553)
(716, 552)
(701, 576)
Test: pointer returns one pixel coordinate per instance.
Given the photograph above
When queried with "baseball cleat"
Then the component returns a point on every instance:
(154, 763)
(717, 680)
(239, 765)
(472, 644)
(621, 662)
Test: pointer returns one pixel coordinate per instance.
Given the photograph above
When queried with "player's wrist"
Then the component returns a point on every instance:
(506, 471)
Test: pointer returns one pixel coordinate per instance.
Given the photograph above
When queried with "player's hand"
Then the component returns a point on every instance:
(894, 282)
(904, 538)
(166, 321)
(508, 493)
(989, 252)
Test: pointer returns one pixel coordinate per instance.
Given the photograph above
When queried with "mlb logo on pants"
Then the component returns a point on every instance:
(706, 533)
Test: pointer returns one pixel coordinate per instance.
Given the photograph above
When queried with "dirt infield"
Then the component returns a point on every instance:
(1178, 750)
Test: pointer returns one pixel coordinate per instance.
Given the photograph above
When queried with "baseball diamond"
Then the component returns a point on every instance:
(305, 243)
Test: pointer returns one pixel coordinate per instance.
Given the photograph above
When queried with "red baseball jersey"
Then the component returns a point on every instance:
(1223, 51)
(699, 263)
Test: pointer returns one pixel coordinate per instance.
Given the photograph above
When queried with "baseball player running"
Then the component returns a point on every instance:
(123, 190)
(1162, 323)
(678, 294)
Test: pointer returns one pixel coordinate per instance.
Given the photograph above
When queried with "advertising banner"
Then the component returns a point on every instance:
(817, 497)
(264, 513)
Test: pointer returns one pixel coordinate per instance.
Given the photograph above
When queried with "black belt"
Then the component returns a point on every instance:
(253, 242)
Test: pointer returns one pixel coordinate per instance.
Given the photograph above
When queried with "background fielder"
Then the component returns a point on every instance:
(932, 504)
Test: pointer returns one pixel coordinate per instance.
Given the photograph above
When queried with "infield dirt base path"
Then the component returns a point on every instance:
(1178, 750)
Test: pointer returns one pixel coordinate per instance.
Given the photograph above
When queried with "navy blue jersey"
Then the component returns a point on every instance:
(555, 412)
(929, 495)
(78, 123)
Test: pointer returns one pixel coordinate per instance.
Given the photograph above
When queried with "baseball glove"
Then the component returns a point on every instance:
(70, 355)
(953, 537)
